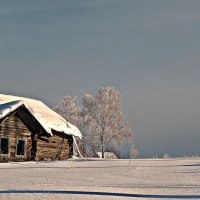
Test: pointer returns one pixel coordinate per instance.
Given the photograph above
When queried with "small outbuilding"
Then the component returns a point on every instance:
(29, 130)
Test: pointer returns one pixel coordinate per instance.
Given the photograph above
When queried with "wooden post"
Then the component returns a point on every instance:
(34, 146)
(70, 140)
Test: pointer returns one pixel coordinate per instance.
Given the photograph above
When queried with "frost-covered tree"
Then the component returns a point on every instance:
(100, 121)
(103, 123)
(68, 108)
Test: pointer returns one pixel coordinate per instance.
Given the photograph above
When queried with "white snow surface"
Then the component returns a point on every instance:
(101, 179)
(44, 115)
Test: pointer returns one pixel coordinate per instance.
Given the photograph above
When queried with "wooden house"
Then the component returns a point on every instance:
(29, 130)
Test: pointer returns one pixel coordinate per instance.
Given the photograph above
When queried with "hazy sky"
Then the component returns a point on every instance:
(148, 49)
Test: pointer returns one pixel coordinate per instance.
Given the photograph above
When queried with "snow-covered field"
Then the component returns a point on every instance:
(101, 179)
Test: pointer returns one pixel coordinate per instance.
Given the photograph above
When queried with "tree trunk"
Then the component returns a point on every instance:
(102, 151)
(102, 145)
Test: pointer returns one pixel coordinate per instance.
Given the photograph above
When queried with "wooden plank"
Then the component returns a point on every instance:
(56, 148)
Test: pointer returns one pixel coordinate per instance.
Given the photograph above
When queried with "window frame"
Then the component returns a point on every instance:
(8, 138)
(25, 145)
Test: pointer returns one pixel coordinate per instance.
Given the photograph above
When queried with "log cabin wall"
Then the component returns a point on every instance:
(58, 147)
(16, 132)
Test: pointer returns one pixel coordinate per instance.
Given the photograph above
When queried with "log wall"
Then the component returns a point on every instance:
(13, 128)
(57, 147)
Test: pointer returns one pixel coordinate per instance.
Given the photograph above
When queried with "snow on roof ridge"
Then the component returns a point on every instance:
(48, 118)
(8, 108)
(18, 97)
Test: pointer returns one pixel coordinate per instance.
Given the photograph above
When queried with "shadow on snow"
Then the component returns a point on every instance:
(99, 194)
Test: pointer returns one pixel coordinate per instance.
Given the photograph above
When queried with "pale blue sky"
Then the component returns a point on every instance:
(148, 49)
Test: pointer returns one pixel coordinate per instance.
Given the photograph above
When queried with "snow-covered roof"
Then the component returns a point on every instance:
(46, 117)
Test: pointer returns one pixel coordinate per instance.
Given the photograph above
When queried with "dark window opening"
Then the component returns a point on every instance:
(21, 147)
(4, 145)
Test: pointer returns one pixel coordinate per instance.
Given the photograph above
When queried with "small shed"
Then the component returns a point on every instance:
(29, 130)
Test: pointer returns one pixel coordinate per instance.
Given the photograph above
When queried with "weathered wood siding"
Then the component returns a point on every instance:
(13, 128)
(58, 147)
